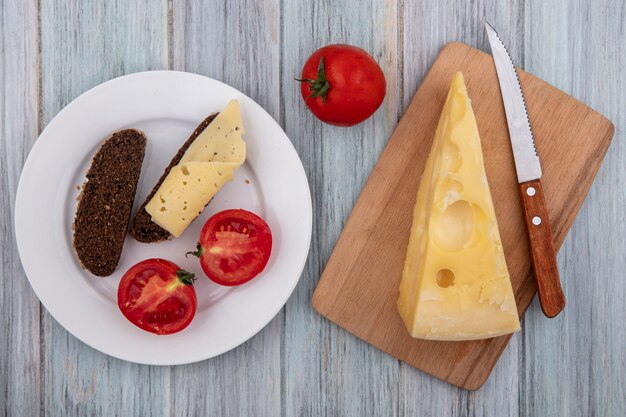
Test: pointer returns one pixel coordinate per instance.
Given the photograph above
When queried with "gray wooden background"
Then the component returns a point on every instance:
(300, 364)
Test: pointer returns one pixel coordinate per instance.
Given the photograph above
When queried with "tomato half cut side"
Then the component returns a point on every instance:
(157, 296)
(234, 247)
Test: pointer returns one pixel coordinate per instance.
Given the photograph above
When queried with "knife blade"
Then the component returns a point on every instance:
(528, 168)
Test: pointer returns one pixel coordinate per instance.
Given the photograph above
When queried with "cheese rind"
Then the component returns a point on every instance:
(209, 162)
(455, 283)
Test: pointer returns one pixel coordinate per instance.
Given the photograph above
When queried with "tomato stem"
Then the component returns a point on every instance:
(198, 252)
(186, 277)
(319, 86)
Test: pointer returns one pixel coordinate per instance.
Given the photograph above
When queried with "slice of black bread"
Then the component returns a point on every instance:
(106, 203)
(142, 227)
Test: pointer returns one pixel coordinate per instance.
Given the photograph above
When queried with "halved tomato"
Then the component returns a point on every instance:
(234, 247)
(157, 296)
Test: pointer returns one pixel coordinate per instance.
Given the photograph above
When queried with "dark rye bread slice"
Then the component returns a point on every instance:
(142, 227)
(106, 203)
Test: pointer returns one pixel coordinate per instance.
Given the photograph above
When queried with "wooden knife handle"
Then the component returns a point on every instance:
(542, 248)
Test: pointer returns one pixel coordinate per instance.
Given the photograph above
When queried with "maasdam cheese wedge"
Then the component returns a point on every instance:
(455, 283)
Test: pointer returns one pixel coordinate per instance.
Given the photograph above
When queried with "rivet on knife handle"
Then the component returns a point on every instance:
(542, 248)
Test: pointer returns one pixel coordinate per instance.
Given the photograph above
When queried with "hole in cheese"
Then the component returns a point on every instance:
(451, 187)
(163, 209)
(451, 156)
(445, 278)
(454, 228)
(184, 170)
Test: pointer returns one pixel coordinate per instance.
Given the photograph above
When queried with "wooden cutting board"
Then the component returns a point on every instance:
(359, 287)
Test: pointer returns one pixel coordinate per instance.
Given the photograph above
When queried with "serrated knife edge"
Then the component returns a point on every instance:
(527, 164)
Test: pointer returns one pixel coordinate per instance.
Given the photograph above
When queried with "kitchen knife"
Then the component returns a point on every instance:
(529, 177)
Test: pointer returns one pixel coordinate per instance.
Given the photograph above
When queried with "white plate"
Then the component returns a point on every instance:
(166, 106)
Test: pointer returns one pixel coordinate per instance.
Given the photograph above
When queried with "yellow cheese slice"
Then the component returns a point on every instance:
(221, 141)
(208, 163)
(185, 191)
(455, 283)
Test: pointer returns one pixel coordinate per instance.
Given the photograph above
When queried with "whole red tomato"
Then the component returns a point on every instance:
(342, 85)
